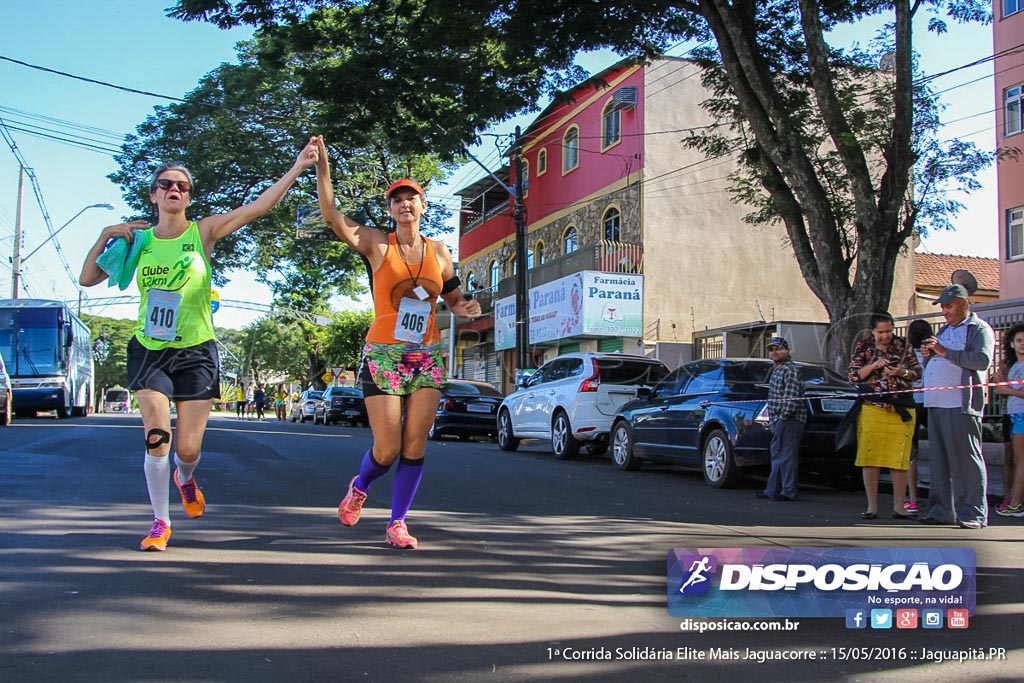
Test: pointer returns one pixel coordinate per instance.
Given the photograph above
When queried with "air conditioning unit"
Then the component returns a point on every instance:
(625, 97)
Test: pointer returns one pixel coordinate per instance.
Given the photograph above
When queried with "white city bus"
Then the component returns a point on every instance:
(48, 353)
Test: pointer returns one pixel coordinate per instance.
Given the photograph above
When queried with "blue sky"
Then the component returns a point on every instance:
(132, 43)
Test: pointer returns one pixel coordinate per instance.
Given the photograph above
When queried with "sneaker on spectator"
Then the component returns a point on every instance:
(1008, 510)
(910, 506)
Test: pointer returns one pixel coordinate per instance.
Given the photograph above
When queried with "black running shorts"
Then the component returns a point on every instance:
(189, 374)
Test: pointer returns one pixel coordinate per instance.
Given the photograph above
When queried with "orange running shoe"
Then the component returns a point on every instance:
(352, 504)
(398, 535)
(191, 497)
(157, 537)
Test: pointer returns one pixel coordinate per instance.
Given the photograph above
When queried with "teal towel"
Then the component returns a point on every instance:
(119, 261)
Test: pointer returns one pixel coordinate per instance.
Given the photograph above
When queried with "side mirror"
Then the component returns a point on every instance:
(644, 392)
(523, 377)
(69, 335)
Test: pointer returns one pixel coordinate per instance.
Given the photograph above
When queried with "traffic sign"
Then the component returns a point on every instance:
(327, 377)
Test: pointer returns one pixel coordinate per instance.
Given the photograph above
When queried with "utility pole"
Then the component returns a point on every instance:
(523, 360)
(16, 259)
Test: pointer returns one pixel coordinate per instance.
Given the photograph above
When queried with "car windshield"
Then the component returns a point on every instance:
(463, 389)
(115, 395)
(313, 395)
(621, 371)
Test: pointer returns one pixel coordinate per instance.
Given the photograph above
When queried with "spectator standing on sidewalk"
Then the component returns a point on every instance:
(959, 355)
(787, 413)
(917, 332)
(1012, 370)
(259, 397)
(885, 364)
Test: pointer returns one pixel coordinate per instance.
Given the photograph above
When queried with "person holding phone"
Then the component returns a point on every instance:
(884, 363)
(172, 355)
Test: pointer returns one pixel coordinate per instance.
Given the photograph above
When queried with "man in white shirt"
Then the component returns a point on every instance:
(959, 355)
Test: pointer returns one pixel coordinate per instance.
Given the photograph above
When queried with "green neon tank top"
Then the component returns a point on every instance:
(180, 266)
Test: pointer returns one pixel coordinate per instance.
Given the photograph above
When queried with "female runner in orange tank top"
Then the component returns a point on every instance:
(402, 371)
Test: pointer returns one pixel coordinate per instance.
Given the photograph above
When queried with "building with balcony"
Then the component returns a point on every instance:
(634, 242)
(1007, 28)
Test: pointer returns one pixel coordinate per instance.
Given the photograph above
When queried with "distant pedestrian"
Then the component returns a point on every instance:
(280, 399)
(787, 414)
(259, 397)
(884, 363)
(239, 401)
(959, 355)
(250, 400)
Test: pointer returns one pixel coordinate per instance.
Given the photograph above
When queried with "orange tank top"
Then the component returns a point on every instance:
(395, 279)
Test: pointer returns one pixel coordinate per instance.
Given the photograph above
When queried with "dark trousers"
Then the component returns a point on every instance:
(785, 450)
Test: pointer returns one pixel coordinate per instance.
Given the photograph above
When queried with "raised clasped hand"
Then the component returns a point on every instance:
(466, 309)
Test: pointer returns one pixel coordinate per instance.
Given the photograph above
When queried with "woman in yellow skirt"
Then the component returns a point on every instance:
(885, 427)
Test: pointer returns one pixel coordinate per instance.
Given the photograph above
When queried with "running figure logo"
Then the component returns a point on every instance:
(696, 580)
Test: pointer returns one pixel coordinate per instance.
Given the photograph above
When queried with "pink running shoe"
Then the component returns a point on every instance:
(352, 504)
(398, 535)
(910, 506)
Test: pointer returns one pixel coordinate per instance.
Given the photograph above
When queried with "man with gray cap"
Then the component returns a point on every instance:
(959, 355)
(787, 413)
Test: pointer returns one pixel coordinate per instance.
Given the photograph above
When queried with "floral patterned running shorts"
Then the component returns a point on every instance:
(401, 369)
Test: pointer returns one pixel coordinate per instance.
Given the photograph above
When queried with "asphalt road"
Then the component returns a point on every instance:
(528, 568)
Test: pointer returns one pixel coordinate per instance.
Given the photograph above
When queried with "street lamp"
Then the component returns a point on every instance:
(18, 260)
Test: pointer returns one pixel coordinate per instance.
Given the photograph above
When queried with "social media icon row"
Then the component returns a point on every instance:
(906, 618)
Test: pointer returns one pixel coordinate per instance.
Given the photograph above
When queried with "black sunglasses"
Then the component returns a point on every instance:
(182, 185)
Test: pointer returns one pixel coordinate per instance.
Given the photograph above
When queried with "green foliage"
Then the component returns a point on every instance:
(345, 338)
(110, 345)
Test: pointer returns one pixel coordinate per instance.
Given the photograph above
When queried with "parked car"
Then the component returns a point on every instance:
(304, 408)
(573, 398)
(341, 404)
(467, 409)
(117, 400)
(5, 395)
(713, 415)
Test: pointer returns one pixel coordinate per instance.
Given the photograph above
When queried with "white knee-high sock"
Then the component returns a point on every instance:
(185, 469)
(158, 472)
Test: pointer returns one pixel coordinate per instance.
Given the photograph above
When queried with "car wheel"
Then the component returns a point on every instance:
(622, 447)
(563, 443)
(5, 417)
(719, 465)
(506, 440)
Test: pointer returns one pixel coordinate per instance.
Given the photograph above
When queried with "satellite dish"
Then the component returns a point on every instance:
(965, 278)
(887, 62)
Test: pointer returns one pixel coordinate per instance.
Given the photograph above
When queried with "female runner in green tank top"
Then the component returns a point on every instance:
(172, 355)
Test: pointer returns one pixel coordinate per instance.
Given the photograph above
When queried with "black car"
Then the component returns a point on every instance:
(341, 404)
(466, 409)
(713, 415)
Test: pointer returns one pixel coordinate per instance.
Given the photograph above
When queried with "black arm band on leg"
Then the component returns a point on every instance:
(450, 285)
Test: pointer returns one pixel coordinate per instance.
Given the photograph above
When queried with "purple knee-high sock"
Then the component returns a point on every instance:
(407, 480)
(369, 470)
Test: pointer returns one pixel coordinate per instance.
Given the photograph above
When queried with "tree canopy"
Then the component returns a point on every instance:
(842, 153)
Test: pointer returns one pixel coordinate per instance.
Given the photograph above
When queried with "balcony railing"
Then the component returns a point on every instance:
(605, 256)
(475, 218)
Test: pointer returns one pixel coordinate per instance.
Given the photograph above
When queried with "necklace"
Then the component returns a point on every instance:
(423, 256)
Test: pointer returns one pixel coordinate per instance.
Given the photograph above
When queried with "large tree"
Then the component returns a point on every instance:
(804, 117)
